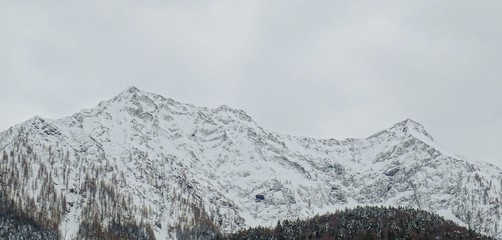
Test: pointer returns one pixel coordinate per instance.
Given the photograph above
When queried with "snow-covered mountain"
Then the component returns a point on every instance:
(171, 168)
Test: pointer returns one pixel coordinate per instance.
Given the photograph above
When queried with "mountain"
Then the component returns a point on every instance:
(158, 167)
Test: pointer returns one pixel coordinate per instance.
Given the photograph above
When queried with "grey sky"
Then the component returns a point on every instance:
(312, 68)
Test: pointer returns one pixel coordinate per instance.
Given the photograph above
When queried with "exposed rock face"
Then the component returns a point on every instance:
(166, 166)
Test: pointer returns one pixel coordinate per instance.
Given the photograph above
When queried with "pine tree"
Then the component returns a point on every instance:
(5, 157)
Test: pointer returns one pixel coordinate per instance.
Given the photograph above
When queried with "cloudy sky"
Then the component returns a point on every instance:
(326, 69)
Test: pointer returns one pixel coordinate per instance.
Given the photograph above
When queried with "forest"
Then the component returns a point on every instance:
(364, 223)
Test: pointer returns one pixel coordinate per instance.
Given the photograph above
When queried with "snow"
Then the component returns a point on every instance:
(220, 158)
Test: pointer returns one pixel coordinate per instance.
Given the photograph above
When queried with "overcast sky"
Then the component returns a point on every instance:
(325, 69)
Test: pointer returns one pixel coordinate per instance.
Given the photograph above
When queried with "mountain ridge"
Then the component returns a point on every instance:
(133, 92)
(185, 163)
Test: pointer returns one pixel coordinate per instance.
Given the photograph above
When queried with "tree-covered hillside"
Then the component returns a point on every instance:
(364, 223)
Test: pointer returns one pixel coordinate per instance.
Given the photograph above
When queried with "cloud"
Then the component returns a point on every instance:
(321, 69)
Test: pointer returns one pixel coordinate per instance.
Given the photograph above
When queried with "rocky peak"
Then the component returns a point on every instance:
(404, 129)
(130, 93)
(131, 90)
(410, 126)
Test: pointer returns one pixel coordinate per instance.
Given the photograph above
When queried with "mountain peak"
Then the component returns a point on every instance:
(408, 122)
(405, 128)
(130, 93)
(131, 90)
(413, 127)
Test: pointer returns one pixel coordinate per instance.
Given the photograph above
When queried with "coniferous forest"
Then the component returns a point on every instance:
(364, 223)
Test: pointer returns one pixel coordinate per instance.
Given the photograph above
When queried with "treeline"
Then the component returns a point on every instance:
(26, 182)
(34, 186)
(40, 185)
(15, 224)
(364, 223)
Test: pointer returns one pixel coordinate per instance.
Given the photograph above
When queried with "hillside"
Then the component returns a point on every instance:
(363, 223)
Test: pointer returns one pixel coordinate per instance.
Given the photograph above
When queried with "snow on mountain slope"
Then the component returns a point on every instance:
(140, 157)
